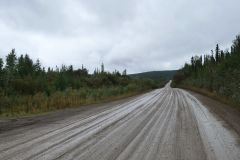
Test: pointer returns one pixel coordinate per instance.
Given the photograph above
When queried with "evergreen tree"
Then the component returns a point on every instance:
(21, 66)
(11, 61)
(212, 57)
(49, 70)
(217, 53)
(222, 56)
(102, 68)
(29, 67)
(124, 73)
(1, 73)
(70, 69)
(37, 67)
(25, 66)
(1, 65)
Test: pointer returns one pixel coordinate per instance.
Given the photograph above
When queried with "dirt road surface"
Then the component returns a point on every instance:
(165, 124)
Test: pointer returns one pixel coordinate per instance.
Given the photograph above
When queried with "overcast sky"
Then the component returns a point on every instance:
(139, 35)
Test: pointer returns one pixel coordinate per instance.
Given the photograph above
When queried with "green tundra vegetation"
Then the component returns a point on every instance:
(27, 88)
(217, 74)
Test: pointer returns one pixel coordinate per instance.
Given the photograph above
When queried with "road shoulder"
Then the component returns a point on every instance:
(229, 114)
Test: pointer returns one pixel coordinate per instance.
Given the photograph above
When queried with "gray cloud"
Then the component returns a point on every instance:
(139, 35)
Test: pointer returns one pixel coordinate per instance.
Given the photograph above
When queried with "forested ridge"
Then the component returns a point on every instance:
(217, 73)
(155, 75)
(26, 87)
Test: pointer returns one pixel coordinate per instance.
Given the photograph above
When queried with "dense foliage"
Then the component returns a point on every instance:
(218, 73)
(27, 87)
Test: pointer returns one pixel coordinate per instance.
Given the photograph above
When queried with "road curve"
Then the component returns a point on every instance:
(165, 124)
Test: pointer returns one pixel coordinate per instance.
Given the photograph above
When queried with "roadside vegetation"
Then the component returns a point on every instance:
(216, 74)
(28, 88)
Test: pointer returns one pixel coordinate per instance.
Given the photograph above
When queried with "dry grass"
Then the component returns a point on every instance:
(41, 103)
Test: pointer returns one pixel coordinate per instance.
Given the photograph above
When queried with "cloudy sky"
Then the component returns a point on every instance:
(139, 35)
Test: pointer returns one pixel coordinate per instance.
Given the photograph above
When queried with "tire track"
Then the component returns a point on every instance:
(163, 124)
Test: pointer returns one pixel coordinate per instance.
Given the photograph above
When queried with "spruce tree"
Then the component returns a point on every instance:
(1, 65)
(102, 68)
(217, 53)
(37, 67)
(11, 61)
(124, 73)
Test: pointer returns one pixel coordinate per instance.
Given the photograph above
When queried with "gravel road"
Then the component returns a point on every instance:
(164, 124)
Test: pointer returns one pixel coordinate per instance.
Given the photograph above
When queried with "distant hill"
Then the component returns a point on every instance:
(156, 74)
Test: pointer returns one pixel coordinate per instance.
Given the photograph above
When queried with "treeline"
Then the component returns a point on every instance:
(27, 87)
(218, 73)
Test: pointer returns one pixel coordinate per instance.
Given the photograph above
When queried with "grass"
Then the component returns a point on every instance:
(18, 106)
